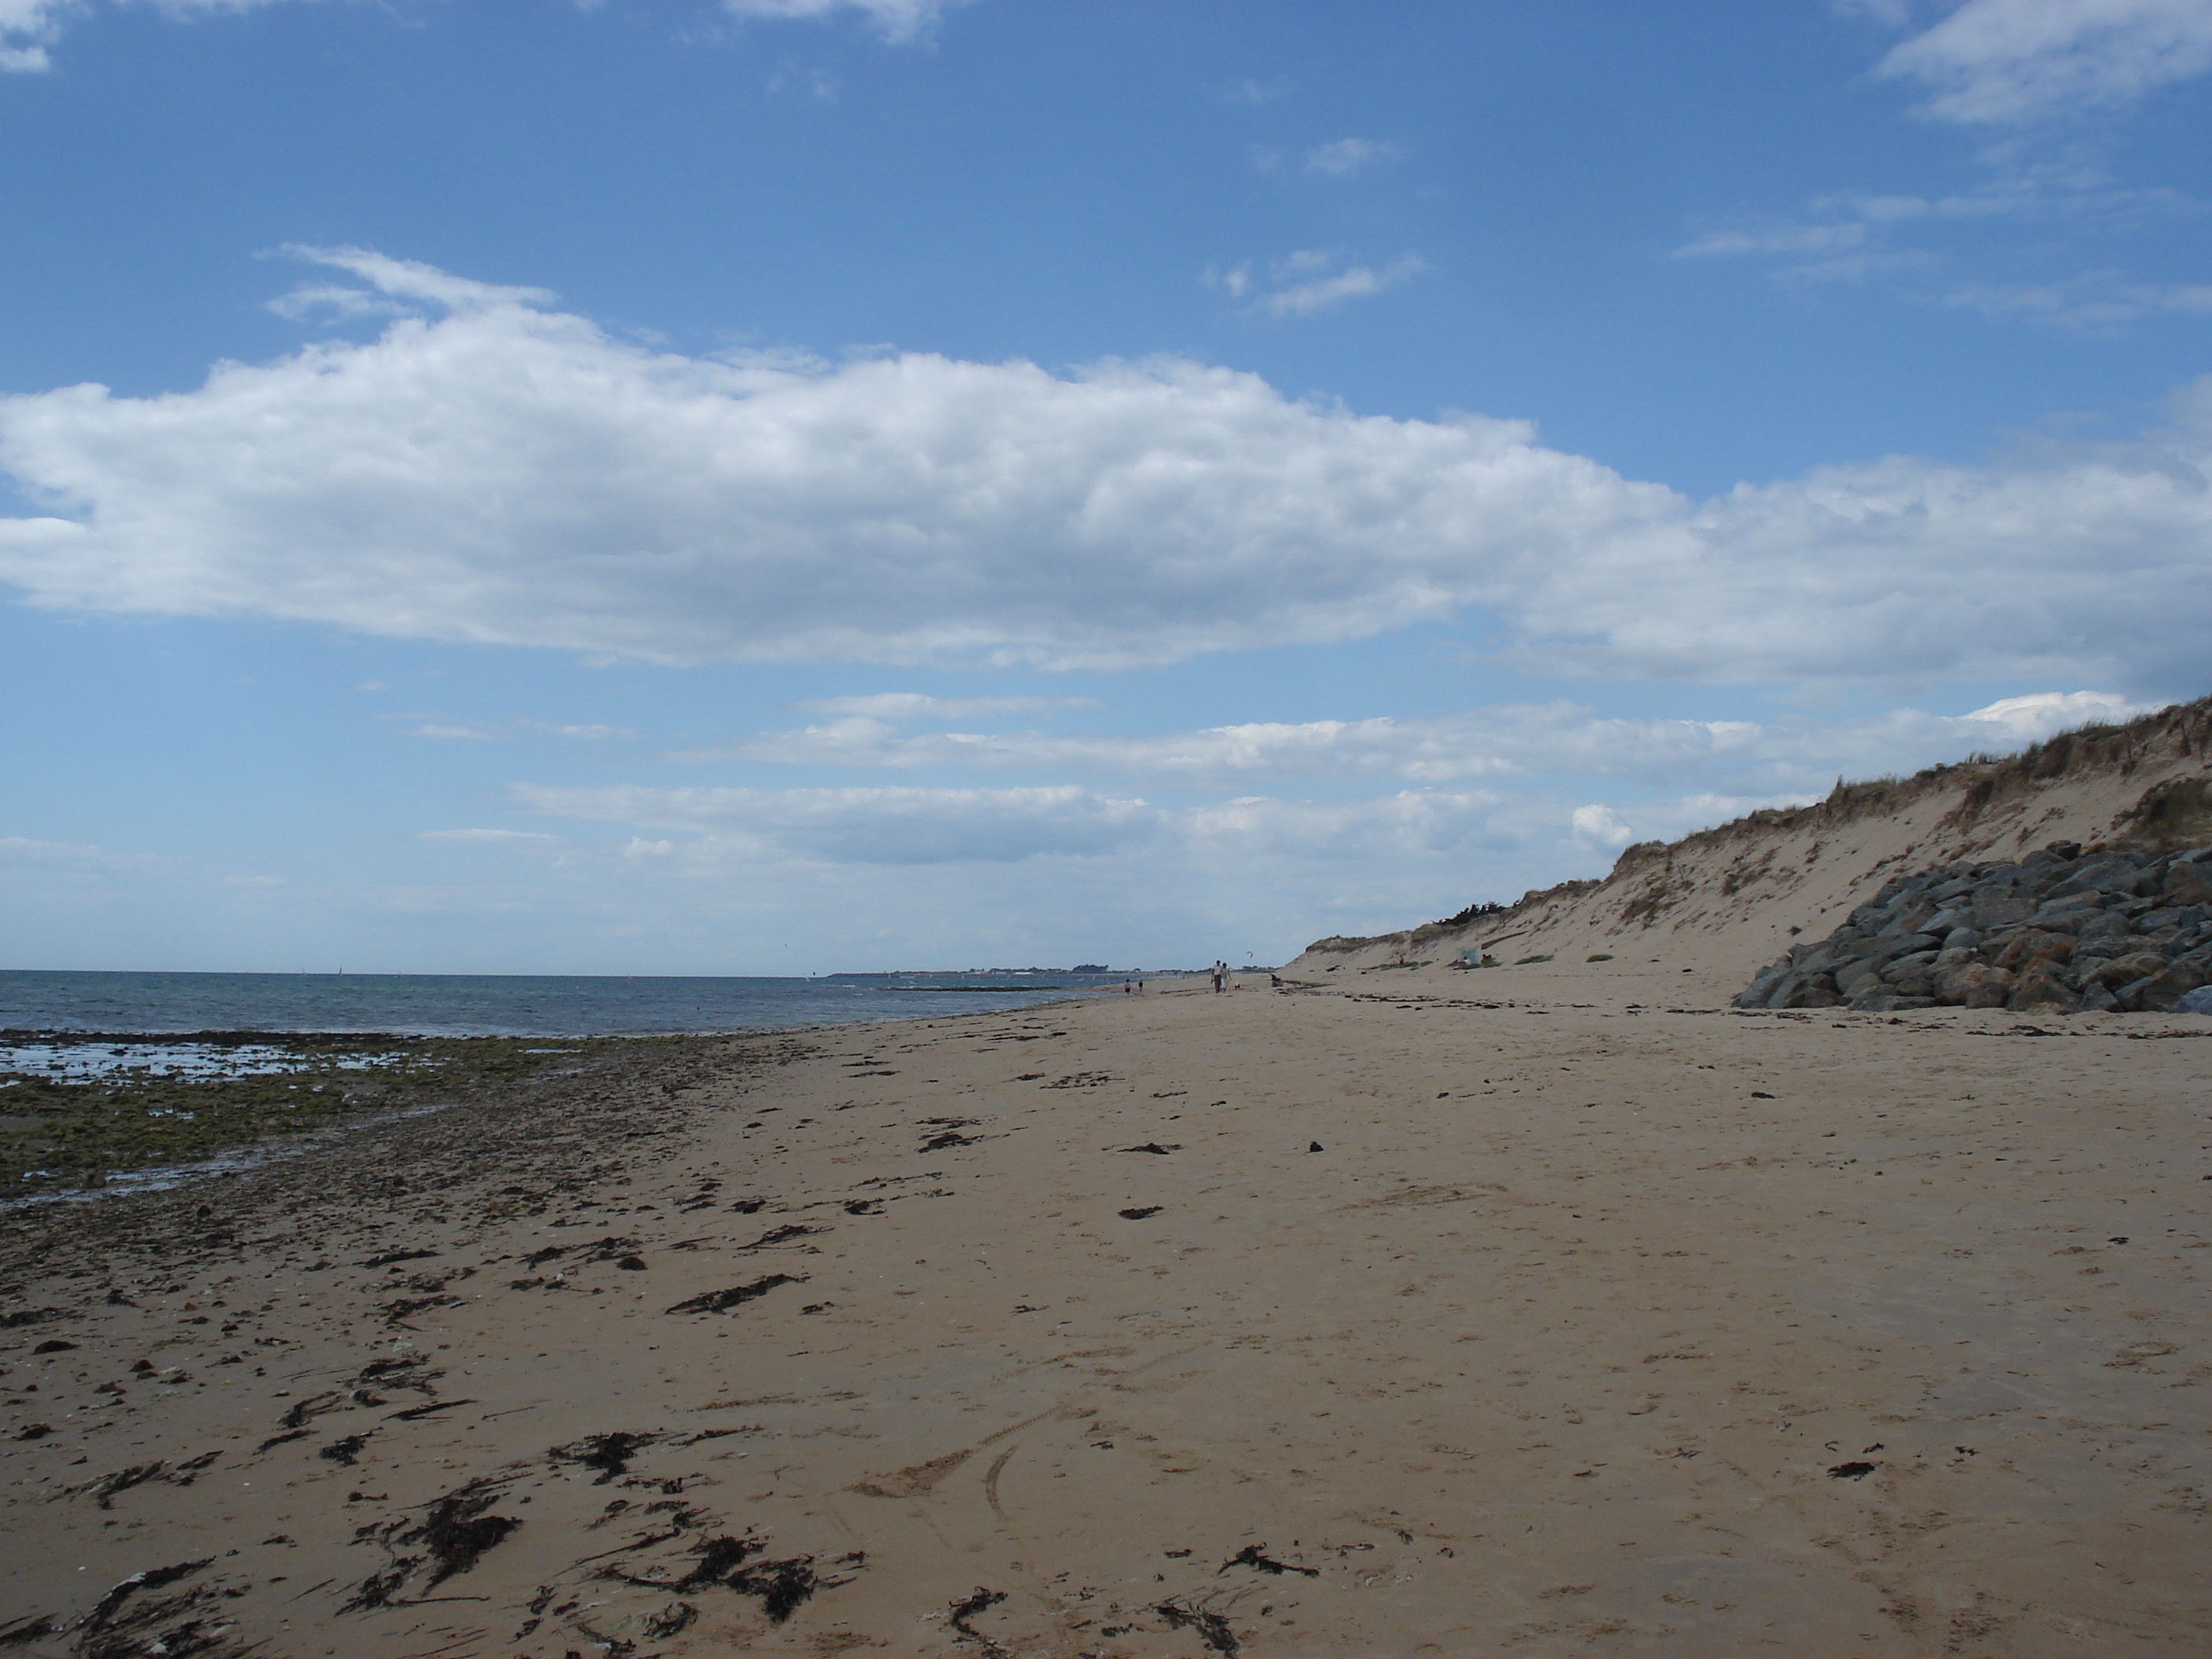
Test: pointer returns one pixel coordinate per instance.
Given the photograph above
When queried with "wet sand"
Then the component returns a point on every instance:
(1559, 1314)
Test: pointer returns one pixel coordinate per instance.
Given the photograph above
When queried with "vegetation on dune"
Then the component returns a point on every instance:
(1472, 913)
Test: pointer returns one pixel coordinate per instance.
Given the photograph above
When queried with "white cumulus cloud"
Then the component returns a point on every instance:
(68, 855)
(1304, 297)
(2008, 60)
(868, 826)
(1797, 755)
(493, 470)
(2041, 714)
(898, 20)
(917, 705)
(28, 27)
(1602, 825)
(1305, 281)
(1823, 240)
(495, 836)
(1385, 828)
(1347, 156)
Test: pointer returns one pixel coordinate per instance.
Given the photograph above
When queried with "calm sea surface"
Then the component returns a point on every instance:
(503, 1005)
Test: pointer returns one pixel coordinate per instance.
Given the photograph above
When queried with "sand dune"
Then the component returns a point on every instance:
(1725, 901)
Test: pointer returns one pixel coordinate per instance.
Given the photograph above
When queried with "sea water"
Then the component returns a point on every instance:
(507, 1005)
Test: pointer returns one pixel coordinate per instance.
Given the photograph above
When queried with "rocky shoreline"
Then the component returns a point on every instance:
(2061, 931)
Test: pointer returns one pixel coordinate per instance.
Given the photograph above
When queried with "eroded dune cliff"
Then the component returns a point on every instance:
(1724, 904)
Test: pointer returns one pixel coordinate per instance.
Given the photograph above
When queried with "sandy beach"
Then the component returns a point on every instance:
(1579, 1315)
(948, 829)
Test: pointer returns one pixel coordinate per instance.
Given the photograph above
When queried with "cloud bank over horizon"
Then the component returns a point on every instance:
(491, 469)
(1793, 759)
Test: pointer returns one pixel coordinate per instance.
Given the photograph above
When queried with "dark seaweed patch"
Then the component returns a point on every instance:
(457, 1531)
(22, 1316)
(315, 1406)
(718, 1557)
(962, 1611)
(1138, 1215)
(391, 1256)
(123, 1627)
(391, 1374)
(104, 1489)
(1852, 1471)
(1212, 1628)
(614, 1647)
(609, 1453)
(1251, 1556)
(670, 1620)
(606, 1250)
(24, 1631)
(782, 1586)
(778, 1235)
(344, 1451)
(379, 1588)
(398, 1312)
(415, 1414)
(1151, 1146)
(737, 1296)
(454, 1533)
(103, 1612)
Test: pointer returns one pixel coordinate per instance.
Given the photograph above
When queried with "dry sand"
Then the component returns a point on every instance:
(1602, 1320)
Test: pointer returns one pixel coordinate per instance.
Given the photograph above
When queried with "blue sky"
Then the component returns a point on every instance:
(785, 485)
